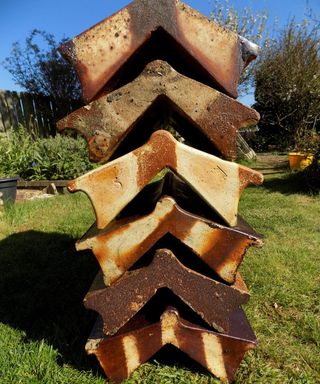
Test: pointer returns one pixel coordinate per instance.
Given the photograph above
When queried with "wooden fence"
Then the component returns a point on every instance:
(38, 114)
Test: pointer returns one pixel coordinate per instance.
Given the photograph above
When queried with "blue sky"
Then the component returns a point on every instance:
(71, 17)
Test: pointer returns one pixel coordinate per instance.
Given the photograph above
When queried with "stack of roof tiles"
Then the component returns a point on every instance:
(160, 82)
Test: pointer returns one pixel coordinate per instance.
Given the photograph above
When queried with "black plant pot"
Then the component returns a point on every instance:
(8, 188)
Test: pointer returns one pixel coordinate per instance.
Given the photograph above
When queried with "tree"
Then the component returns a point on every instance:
(248, 24)
(42, 70)
(287, 91)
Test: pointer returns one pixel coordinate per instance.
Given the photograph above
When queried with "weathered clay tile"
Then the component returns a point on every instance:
(221, 354)
(169, 183)
(213, 301)
(100, 53)
(106, 121)
(112, 186)
(120, 245)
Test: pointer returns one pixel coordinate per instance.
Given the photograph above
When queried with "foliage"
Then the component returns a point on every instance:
(43, 70)
(288, 88)
(54, 158)
(247, 23)
(312, 173)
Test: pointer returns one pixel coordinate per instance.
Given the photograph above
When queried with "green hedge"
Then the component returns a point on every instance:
(60, 157)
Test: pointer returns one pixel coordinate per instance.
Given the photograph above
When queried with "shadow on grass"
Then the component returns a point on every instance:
(42, 282)
(289, 184)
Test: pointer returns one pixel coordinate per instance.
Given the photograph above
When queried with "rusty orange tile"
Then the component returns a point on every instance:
(169, 183)
(112, 186)
(120, 245)
(102, 53)
(106, 121)
(213, 301)
(220, 354)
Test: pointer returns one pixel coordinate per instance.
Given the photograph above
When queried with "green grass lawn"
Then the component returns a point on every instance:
(43, 325)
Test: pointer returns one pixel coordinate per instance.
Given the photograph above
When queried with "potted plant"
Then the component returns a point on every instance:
(298, 161)
(8, 188)
(8, 179)
(303, 154)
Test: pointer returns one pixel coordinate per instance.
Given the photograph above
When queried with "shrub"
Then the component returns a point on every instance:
(54, 158)
(312, 173)
(288, 88)
(37, 67)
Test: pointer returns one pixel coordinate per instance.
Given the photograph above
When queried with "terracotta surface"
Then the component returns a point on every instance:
(132, 91)
(102, 53)
(213, 301)
(168, 183)
(112, 186)
(221, 354)
(107, 121)
(122, 243)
